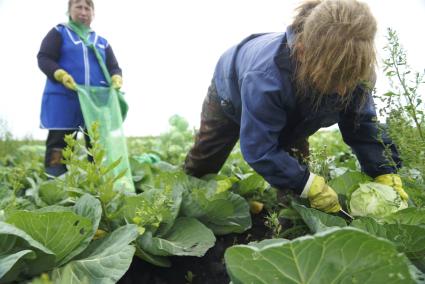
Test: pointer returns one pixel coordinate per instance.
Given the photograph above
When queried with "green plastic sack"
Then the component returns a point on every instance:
(107, 107)
(147, 158)
(123, 105)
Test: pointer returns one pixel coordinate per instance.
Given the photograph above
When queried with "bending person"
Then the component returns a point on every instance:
(272, 91)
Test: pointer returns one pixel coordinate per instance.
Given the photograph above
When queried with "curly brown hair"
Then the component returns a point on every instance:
(334, 47)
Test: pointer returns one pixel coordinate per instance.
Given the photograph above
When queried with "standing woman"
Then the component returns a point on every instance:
(67, 61)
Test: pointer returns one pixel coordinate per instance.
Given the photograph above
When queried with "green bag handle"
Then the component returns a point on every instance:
(80, 31)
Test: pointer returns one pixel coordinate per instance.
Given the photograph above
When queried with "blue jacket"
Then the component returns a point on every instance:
(60, 107)
(254, 83)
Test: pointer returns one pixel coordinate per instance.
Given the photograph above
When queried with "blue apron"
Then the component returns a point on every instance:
(60, 108)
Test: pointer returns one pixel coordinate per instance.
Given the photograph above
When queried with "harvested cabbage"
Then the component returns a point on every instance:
(375, 200)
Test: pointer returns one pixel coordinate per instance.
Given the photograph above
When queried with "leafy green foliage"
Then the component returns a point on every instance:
(8, 146)
(22, 168)
(416, 191)
(273, 223)
(223, 212)
(329, 155)
(408, 216)
(345, 184)
(318, 221)
(404, 108)
(409, 239)
(187, 236)
(150, 209)
(93, 177)
(43, 227)
(51, 192)
(20, 252)
(174, 214)
(171, 146)
(104, 261)
(362, 258)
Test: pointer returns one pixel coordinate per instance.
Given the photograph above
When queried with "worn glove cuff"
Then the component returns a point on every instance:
(307, 186)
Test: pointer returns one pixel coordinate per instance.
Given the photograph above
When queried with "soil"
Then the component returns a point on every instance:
(209, 269)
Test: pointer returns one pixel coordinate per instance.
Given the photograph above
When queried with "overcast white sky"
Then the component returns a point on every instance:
(166, 48)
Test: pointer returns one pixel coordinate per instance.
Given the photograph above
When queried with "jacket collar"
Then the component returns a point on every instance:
(283, 57)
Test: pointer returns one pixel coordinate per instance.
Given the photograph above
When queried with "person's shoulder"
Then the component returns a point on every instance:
(54, 32)
(101, 40)
(60, 27)
(99, 36)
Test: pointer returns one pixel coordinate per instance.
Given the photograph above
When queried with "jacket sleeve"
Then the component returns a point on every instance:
(111, 62)
(49, 53)
(368, 139)
(262, 120)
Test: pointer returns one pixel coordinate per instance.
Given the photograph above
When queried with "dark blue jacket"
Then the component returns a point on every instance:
(255, 86)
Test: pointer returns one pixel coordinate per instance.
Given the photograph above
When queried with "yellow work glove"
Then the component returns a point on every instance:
(394, 181)
(116, 81)
(322, 196)
(63, 77)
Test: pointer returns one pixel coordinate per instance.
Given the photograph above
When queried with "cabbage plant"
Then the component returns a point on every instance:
(375, 200)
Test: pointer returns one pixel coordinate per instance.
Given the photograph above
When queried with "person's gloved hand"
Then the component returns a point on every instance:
(63, 77)
(394, 181)
(116, 81)
(322, 196)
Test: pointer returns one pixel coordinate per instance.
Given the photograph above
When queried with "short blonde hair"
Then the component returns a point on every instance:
(334, 46)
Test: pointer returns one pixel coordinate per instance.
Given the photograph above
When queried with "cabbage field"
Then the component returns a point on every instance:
(227, 227)
(179, 229)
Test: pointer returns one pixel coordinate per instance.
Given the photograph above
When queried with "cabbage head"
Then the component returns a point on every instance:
(375, 200)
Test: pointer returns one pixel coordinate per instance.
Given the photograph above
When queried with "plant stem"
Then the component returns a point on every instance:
(412, 110)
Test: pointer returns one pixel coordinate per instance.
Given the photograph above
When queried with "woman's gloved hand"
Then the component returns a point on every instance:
(116, 81)
(64, 78)
(320, 195)
(394, 181)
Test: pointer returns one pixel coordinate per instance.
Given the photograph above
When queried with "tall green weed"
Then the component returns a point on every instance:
(404, 108)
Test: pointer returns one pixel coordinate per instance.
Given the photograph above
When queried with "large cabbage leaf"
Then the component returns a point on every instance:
(348, 182)
(104, 261)
(408, 216)
(20, 253)
(60, 232)
(188, 237)
(316, 220)
(339, 255)
(409, 239)
(223, 212)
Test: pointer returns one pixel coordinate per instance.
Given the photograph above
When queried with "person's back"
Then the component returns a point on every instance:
(252, 56)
